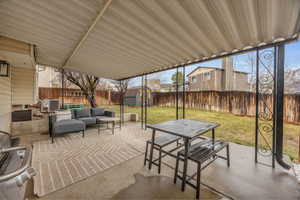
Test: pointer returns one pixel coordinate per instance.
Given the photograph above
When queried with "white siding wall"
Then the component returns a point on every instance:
(5, 103)
(23, 85)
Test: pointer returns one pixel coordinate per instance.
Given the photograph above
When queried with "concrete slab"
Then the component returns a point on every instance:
(130, 180)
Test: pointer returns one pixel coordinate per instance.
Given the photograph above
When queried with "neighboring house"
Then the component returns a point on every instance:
(154, 85)
(20, 86)
(218, 79)
(133, 96)
(49, 77)
(292, 81)
(167, 87)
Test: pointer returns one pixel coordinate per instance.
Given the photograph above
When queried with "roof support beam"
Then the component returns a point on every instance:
(85, 36)
(218, 57)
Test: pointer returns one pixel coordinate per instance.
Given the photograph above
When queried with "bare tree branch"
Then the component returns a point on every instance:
(87, 84)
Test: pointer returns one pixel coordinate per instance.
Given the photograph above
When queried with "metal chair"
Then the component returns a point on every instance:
(159, 143)
(204, 152)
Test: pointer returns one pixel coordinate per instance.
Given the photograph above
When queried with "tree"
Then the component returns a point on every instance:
(87, 84)
(180, 78)
(121, 86)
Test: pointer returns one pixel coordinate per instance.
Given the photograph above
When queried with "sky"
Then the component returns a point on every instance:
(241, 63)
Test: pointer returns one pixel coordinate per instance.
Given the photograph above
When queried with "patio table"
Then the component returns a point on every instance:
(188, 130)
(112, 120)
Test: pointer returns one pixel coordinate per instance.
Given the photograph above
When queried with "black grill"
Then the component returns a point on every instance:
(5, 141)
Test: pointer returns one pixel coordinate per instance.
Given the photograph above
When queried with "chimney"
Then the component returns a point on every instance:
(228, 73)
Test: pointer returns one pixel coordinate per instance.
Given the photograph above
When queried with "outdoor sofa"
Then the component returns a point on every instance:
(77, 121)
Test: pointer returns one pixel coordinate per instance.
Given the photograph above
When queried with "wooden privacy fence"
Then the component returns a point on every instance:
(76, 96)
(239, 103)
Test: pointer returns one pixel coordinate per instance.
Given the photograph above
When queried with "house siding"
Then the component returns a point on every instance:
(241, 82)
(23, 85)
(11, 45)
(217, 81)
(5, 103)
(214, 83)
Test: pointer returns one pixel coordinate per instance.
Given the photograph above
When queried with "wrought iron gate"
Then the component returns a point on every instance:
(269, 104)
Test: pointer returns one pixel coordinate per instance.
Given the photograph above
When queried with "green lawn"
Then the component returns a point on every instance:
(237, 129)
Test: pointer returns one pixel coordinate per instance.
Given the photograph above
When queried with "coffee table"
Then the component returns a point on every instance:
(107, 120)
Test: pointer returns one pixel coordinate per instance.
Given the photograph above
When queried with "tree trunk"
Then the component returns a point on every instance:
(92, 100)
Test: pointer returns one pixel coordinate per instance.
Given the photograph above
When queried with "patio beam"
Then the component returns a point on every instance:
(183, 94)
(146, 101)
(177, 113)
(142, 103)
(256, 105)
(217, 57)
(86, 34)
(62, 88)
(279, 105)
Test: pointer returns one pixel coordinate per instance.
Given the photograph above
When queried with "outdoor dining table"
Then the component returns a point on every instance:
(188, 130)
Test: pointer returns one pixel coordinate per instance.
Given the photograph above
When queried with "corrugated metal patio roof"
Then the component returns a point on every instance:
(123, 38)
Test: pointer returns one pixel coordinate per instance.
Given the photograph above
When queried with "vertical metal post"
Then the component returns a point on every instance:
(121, 99)
(123, 111)
(62, 88)
(183, 94)
(274, 107)
(142, 103)
(177, 93)
(257, 104)
(146, 101)
(279, 105)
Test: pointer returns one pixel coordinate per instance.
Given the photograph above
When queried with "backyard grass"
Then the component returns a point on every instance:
(237, 129)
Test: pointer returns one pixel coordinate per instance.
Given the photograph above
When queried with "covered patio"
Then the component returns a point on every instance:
(123, 39)
(131, 180)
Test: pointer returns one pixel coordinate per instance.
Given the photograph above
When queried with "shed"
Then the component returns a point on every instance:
(133, 97)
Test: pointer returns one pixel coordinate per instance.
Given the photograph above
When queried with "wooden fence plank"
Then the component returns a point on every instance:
(238, 103)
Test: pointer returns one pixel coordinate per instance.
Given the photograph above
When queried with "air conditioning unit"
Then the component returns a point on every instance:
(50, 105)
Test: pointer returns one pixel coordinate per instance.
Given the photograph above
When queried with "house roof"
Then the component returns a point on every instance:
(164, 85)
(124, 38)
(132, 92)
(215, 68)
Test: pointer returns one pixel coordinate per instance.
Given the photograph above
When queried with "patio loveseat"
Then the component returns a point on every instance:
(75, 120)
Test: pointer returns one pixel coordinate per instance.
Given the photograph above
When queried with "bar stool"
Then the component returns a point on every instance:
(204, 152)
(159, 143)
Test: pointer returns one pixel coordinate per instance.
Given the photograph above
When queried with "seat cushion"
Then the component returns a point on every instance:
(98, 118)
(67, 126)
(98, 112)
(88, 120)
(63, 115)
(81, 113)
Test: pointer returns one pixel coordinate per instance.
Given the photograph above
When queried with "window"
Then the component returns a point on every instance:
(41, 68)
(194, 79)
(207, 76)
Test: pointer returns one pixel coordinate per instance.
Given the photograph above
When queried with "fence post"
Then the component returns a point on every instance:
(299, 149)
(109, 97)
